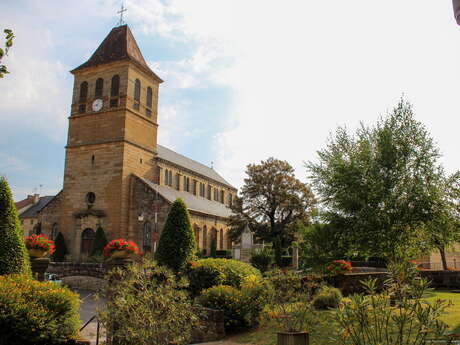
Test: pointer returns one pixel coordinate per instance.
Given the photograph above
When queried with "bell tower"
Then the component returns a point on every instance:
(112, 134)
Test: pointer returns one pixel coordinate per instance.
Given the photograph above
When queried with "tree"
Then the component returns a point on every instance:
(444, 229)
(177, 241)
(100, 241)
(380, 185)
(8, 44)
(272, 203)
(61, 248)
(13, 253)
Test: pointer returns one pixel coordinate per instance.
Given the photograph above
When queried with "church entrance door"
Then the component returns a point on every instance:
(87, 239)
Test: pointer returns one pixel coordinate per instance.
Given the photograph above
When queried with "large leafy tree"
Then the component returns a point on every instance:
(4, 51)
(13, 253)
(380, 186)
(444, 229)
(177, 243)
(272, 202)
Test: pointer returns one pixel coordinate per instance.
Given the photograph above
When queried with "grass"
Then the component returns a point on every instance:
(324, 332)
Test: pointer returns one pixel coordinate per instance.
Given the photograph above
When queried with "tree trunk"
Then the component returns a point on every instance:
(278, 248)
(442, 251)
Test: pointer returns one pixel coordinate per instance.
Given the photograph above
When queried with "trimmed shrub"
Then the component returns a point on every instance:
(36, 313)
(177, 241)
(100, 241)
(14, 257)
(327, 297)
(263, 259)
(207, 273)
(241, 307)
(61, 248)
(224, 254)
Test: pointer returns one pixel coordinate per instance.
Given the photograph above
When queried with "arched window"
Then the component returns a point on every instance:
(115, 86)
(205, 239)
(170, 178)
(83, 91)
(149, 97)
(54, 231)
(147, 237)
(87, 239)
(221, 239)
(197, 235)
(166, 177)
(137, 90)
(99, 88)
(38, 229)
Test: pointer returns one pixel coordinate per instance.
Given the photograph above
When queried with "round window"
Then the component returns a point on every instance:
(90, 198)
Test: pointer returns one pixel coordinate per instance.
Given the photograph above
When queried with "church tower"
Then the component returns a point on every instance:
(112, 134)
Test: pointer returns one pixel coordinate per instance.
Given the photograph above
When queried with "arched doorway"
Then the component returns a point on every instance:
(87, 239)
(38, 229)
(221, 239)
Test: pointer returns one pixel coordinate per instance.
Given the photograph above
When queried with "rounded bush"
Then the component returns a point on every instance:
(36, 313)
(241, 307)
(263, 259)
(327, 297)
(207, 273)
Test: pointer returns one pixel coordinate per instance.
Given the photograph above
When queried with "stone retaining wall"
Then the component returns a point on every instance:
(442, 279)
(66, 269)
(350, 283)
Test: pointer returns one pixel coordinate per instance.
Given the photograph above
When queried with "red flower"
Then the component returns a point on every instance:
(121, 244)
(40, 242)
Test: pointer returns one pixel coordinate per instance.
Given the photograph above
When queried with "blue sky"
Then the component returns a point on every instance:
(244, 80)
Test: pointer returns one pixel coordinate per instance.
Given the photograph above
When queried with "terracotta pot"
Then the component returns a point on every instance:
(120, 254)
(293, 338)
(37, 253)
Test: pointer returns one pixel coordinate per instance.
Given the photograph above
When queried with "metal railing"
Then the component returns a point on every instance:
(97, 328)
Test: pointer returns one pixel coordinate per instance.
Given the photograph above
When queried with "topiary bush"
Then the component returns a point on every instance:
(100, 241)
(61, 248)
(207, 273)
(241, 307)
(36, 313)
(177, 241)
(327, 297)
(263, 259)
(14, 257)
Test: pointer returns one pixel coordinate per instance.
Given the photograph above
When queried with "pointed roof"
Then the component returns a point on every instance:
(119, 45)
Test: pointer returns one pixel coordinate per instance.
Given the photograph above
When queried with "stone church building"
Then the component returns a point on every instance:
(116, 175)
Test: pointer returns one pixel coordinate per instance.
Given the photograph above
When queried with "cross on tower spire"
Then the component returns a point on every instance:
(122, 10)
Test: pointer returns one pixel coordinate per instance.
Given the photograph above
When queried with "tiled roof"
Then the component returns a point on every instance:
(23, 203)
(119, 45)
(180, 160)
(33, 211)
(194, 203)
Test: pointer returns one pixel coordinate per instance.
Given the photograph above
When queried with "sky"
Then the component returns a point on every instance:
(244, 80)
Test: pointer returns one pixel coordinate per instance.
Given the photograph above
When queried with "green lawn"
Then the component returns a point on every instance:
(265, 335)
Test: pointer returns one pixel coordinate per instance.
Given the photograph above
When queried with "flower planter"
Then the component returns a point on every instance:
(37, 253)
(120, 254)
(293, 338)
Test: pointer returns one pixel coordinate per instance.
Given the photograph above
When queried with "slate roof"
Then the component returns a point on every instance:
(180, 160)
(23, 203)
(32, 212)
(119, 45)
(194, 203)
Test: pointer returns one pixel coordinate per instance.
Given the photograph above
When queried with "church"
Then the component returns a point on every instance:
(116, 176)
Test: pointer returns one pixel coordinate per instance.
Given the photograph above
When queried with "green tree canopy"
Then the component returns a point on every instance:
(177, 243)
(4, 51)
(13, 253)
(380, 186)
(100, 241)
(272, 203)
(61, 248)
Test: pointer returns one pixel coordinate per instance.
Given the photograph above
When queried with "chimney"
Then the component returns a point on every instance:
(36, 198)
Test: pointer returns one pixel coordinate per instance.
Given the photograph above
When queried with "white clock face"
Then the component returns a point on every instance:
(97, 104)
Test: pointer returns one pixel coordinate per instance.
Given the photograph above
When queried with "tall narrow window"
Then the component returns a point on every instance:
(166, 177)
(222, 196)
(177, 181)
(83, 91)
(205, 239)
(185, 184)
(87, 239)
(149, 97)
(170, 178)
(54, 231)
(99, 88)
(115, 86)
(194, 186)
(137, 90)
(230, 199)
(221, 239)
(209, 192)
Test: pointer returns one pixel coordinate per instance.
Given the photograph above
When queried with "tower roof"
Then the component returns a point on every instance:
(119, 45)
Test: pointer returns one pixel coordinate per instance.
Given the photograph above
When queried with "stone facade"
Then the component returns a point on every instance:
(113, 163)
